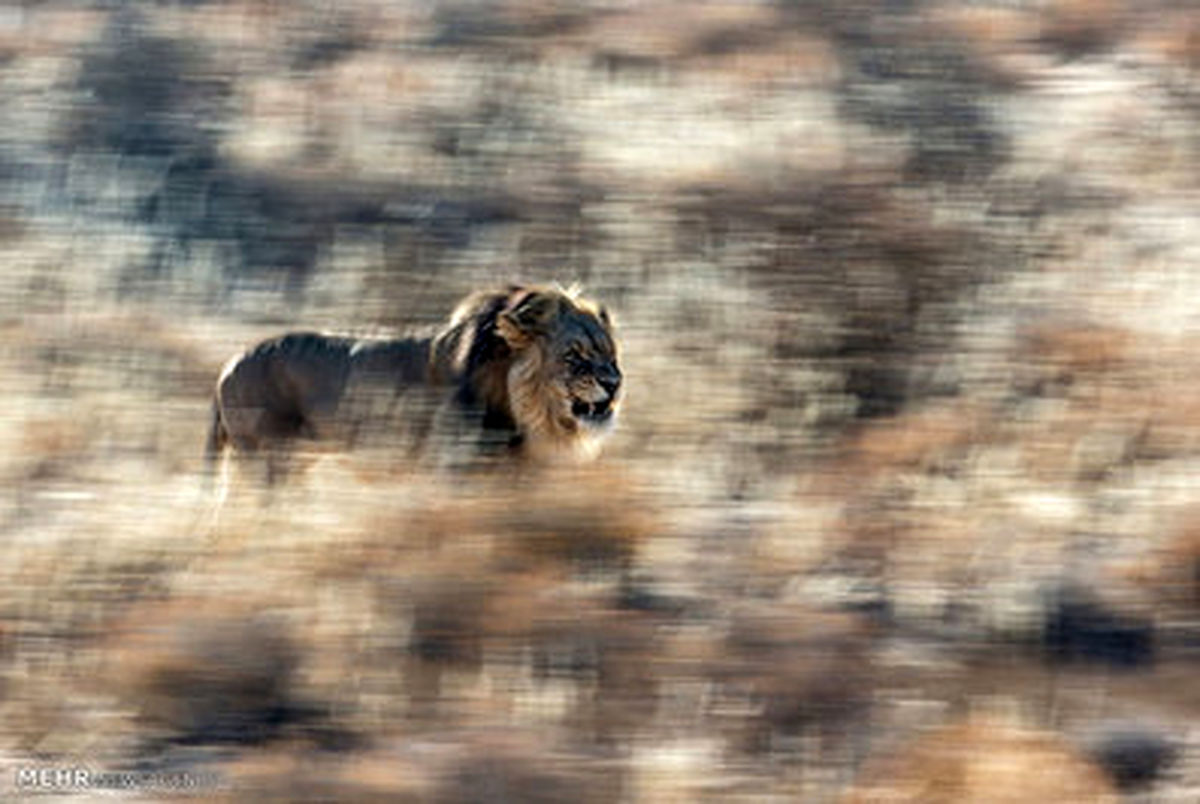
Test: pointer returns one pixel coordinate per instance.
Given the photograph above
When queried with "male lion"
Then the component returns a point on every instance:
(531, 369)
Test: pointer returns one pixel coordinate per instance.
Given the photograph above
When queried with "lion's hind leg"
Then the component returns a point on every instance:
(218, 440)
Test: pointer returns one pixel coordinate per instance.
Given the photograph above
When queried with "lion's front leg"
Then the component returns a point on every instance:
(463, 439)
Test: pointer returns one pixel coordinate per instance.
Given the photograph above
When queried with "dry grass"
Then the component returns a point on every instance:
(985, 763)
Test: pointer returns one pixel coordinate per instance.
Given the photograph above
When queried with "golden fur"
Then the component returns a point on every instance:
(529, 369)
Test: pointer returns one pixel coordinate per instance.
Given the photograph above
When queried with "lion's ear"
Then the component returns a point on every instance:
(526, 317)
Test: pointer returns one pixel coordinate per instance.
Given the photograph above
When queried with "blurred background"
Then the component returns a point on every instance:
(905, 501)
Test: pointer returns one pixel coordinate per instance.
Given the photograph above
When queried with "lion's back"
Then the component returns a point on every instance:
(288, 373)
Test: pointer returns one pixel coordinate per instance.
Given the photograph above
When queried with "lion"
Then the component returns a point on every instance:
(530, 370)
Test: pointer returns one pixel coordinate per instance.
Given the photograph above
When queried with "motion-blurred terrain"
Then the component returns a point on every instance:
(905, 501)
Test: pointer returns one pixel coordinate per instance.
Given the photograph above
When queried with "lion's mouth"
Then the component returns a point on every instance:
(592, 412)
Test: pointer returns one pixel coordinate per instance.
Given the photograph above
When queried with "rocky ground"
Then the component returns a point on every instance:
(905, 501)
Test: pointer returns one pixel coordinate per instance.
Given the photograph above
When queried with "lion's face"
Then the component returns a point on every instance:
(582, 367)
(564, 381)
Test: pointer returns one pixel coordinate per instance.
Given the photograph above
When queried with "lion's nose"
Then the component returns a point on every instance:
(610, 380)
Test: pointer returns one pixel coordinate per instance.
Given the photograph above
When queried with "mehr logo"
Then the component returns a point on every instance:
(60, 779)
(52, 778)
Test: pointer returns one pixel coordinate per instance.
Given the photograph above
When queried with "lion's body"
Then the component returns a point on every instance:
(494, 375)
(319, 388)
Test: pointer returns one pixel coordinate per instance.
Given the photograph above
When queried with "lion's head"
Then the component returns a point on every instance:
(546, 359)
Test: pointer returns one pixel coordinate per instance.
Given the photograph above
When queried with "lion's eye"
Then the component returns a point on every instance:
(575, 362)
